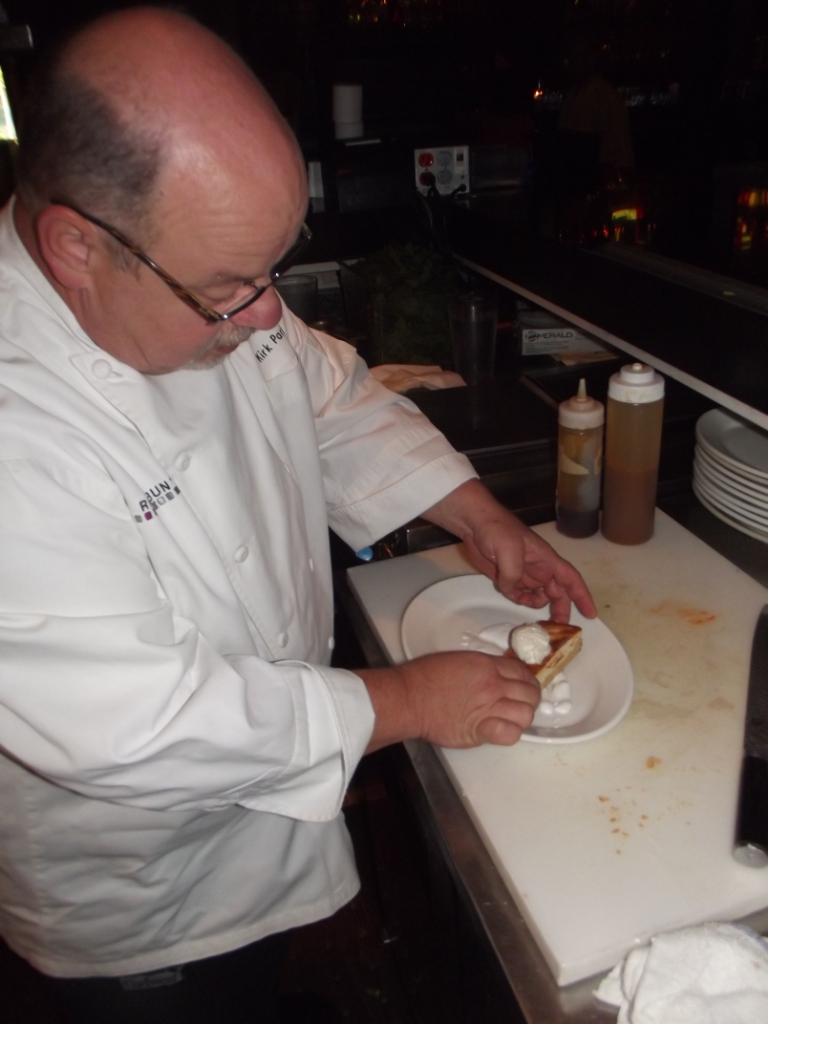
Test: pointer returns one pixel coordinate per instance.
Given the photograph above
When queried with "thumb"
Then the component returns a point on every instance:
(498, 731)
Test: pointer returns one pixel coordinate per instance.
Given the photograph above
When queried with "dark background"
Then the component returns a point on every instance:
(694, 73)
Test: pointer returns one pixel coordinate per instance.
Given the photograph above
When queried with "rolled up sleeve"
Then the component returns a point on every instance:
(383, 461)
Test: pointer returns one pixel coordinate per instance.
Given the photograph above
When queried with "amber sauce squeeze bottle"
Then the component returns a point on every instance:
(580, 450)
(634, 424)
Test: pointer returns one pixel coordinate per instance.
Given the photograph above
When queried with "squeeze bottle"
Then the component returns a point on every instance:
(634, 422)
(580, 449)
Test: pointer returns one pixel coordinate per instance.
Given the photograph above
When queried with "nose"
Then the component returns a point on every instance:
(265, 312)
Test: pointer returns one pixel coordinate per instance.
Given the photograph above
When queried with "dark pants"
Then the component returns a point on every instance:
(240, 986)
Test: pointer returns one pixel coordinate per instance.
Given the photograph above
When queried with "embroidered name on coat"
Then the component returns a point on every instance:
(155, 498)
(267, 347)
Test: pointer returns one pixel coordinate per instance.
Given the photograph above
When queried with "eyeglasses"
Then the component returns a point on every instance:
(209, 315)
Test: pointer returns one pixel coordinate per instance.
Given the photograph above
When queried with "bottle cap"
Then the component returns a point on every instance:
(636, 384)
(581, 412)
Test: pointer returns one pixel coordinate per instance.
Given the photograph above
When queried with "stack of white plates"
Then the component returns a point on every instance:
(731, 472)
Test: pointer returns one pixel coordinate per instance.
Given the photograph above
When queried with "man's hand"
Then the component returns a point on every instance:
(526, 569)
(521, 565)
(457, 700)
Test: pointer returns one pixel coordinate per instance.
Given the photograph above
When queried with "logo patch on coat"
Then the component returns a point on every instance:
(155, 498)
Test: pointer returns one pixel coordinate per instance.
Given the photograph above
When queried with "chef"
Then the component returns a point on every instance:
(174, 445)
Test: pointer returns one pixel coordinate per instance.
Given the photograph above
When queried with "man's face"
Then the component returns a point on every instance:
(214, 251)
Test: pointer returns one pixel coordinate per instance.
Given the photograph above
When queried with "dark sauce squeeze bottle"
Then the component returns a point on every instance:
(580, 450)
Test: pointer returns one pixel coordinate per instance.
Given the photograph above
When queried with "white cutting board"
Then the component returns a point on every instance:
(604, 843)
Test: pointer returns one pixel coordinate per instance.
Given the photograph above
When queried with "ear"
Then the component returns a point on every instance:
(69, 246)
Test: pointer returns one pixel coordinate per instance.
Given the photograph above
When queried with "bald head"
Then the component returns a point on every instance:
(145, 104)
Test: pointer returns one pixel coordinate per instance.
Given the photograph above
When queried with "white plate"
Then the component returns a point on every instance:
(755, 484)
(452, 615)
(717, 476)
(742, 526)
(752, 500)
(732, 506)
(734, 442)
(730, 502)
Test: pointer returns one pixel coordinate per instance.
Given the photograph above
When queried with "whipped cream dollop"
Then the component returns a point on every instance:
(556, 699)
(530, 643)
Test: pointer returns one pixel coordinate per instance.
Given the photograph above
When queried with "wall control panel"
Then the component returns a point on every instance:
(447, 168)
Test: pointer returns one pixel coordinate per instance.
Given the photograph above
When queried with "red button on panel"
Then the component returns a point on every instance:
(425, 160)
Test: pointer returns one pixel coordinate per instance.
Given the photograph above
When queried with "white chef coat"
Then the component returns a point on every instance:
(174, 747)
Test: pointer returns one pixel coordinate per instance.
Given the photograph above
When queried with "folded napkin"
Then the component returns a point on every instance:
(408, 377)
(717, 972)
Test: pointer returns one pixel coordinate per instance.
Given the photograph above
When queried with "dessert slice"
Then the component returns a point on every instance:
(546, 647)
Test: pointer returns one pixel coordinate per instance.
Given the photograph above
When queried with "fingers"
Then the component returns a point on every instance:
(496, 731)
(520, 713)
(574, 588)
(560, 604)
(514, 670)
(509, 568)
(512, 713)
(565, 586)
(466, 699)
(559, 585)
(526, 569)
(535, 597)
(553, 595)
(506, 723)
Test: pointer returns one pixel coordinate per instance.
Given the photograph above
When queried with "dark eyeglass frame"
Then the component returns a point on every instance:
(211, 316)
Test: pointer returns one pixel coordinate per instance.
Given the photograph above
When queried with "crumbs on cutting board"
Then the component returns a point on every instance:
(692, 616)
(652, 762)
(622, 817)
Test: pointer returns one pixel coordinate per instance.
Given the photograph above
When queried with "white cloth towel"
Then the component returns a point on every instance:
(400, 378)
(716, 972)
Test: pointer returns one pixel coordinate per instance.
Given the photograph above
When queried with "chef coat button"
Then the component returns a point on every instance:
(241, 553)
(101, 368)
(283, 639)
(331, 642)
(183, 461)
